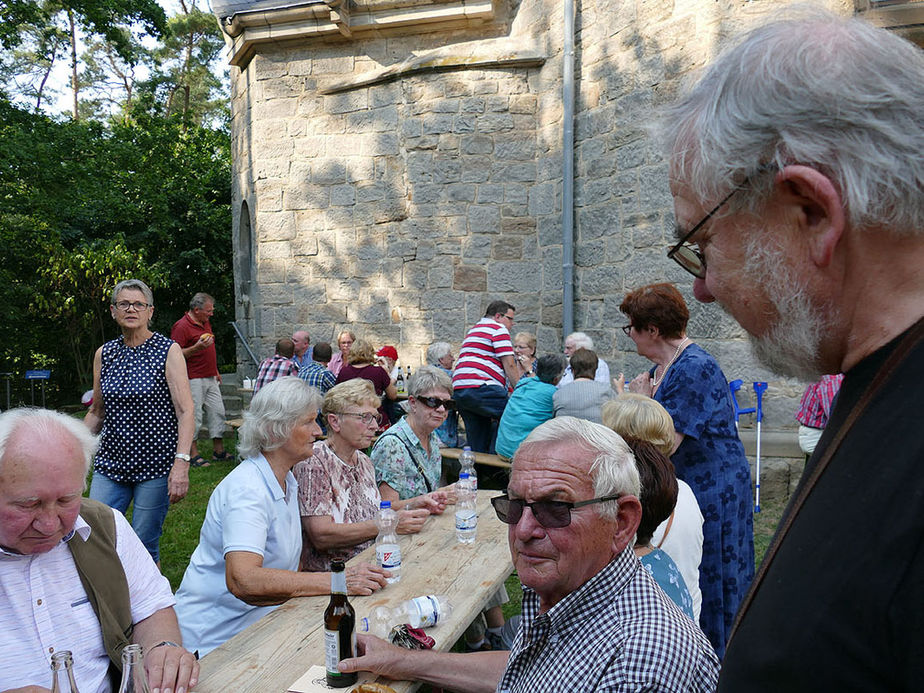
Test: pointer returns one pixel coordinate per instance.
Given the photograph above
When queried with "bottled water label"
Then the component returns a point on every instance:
(466, 520)
(389, 557)
(428, 611)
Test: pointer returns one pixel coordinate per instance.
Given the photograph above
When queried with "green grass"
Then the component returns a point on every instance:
(184, 520)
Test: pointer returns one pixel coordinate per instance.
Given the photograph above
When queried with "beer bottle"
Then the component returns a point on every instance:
(339, 629)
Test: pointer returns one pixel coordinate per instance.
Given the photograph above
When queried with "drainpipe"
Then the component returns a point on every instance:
(567, 183)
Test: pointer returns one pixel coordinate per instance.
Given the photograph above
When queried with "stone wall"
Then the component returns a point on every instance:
(401, 208)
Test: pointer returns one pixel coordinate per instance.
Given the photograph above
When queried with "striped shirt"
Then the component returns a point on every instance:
(480, 357)
(616, 632)
(817, 401)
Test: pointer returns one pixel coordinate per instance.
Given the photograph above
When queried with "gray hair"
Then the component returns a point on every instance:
(44, 423)
(613, 467)
(199, 300)
(829, 92)
(581, 340)
(550, 367)
(136, 284)
(436, 351)
(273, 413)
(428, 378)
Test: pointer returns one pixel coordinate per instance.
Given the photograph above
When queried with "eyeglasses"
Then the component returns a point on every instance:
(133, 305)
(509, 317)
(365, 417)
(436, 402)
(690, 258)
(549, 514)
(627, 328)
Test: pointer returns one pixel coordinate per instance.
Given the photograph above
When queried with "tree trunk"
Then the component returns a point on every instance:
(75, 85)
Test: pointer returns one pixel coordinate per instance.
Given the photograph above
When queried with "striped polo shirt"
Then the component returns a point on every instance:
(479, 360)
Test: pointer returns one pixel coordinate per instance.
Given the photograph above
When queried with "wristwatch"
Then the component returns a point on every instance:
(181, 456)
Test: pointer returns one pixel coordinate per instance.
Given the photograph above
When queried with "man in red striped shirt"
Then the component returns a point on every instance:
(479, 382)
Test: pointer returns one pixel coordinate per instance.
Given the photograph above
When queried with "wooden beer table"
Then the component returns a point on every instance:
(274, 652)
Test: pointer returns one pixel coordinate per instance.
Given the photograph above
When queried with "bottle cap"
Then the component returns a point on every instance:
(467, 448)
(384, 504)
(463, 475)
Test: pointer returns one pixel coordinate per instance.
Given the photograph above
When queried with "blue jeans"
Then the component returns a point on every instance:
(150, 506)
(481, 409)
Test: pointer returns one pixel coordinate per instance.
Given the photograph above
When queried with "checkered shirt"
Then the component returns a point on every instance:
(817, 401)
(274, 367)
(317, 376)
(617, 632)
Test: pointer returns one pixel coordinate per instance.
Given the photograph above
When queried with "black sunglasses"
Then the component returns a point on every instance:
(549, 514)
(435, 402)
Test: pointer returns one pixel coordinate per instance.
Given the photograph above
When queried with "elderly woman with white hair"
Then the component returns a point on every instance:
(580, 340)
(249, 548)
(439, 355)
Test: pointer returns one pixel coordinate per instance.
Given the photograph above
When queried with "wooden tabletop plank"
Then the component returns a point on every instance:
(274, 652)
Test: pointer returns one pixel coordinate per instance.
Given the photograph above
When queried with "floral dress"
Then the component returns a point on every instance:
(711, 460)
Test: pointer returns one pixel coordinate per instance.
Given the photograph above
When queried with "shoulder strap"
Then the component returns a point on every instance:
(910, 340)
(667, 529)
(410, 454)
(103, 578)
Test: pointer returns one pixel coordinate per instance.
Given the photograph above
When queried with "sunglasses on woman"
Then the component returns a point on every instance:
(549, 514)
(436, 402)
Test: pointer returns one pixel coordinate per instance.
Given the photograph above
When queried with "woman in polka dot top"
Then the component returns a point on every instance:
(142, 408)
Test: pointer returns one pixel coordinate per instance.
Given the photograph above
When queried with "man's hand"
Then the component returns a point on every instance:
(178, 480)
(206, 339)
(412, 521)
(171, 669)
(377, 656)
(364, 579)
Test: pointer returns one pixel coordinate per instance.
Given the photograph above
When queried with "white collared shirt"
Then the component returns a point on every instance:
(601, 376)
(44, 609)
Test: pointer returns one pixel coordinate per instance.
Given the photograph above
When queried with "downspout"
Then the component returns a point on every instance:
(567, 183)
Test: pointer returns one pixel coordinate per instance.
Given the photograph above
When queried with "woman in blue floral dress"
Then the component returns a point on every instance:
(708, 455)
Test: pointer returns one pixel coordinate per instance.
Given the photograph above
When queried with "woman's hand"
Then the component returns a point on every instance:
(365, 579)
(619, 383)
(412, 521)
(449, 493)
(434, 502)
(178, 480)
(641, 384)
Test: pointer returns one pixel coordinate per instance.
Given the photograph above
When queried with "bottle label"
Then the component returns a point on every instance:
(466, 520)
(428, 610)
(388, 556)
(331, 651)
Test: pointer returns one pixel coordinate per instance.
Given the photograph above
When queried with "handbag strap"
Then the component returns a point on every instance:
(667, 529)
(884, 374)
(411, 455)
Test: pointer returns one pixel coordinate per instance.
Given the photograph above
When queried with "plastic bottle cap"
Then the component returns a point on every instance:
(463, 475)
(384, 504)
(467, 448)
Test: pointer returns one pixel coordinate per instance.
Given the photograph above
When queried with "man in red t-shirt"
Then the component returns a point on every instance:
(193, 333)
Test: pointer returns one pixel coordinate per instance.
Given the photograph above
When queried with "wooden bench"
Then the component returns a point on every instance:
(480, 457)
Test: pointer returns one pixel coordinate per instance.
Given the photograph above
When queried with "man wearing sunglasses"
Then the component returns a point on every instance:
(798, 182)
(593, 618)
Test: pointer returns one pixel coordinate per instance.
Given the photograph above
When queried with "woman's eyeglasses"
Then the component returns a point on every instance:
(436, 403)
(138, 306)
(549, 514)
(365, 417)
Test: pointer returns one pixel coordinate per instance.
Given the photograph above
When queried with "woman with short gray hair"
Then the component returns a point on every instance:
(143, 410)
(250, 544)
(407, 456)
(439, 355)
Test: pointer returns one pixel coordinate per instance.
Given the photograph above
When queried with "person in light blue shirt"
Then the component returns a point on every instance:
(529, 405)
(251, 540)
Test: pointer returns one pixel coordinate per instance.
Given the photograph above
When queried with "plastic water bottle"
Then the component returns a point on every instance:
(420, 612)
(387, 550)
(466, 517)
(467, 465)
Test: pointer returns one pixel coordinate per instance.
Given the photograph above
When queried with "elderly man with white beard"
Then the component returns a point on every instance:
(798, 181)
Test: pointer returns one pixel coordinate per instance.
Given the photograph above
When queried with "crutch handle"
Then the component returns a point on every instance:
(759, 388)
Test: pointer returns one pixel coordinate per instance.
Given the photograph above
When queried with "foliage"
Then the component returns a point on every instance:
(102, 17)
(84, 206)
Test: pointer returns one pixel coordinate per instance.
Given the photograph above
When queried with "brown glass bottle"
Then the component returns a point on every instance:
(339, 629)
